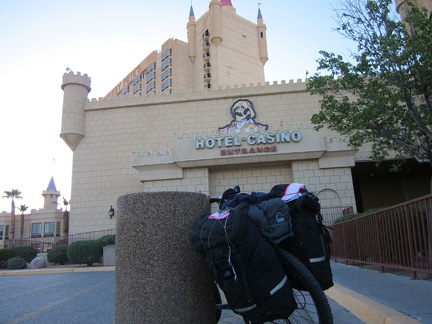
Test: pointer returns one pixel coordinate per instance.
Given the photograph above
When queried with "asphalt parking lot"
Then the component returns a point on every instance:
(80, 297)
(86, 297)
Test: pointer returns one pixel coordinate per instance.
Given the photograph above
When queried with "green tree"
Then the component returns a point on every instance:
(66, 203)
(381, 94)
(22, 209)
(14, 193)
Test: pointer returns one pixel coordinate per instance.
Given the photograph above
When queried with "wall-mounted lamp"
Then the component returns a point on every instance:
(111, 212)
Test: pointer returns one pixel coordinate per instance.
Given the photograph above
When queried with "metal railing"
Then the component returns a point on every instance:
(397, 237)
(40, 244)
(43, 244)
(330, 214)
(90, 235)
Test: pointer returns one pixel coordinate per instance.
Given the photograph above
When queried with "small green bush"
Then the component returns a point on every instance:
(28, 253)
(87, 252)
(107, 239)
(5, 255)
(16, 263)
(351, 216)
(57, 254)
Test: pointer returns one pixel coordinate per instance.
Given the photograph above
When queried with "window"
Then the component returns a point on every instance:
(49, 229)
(137, 79)
(36, 230)
(151, 67)
(58, 229)
(166, 54)
(125, 90)
(137, 88)
(166, 64)
(1, 231)
(7, 232)
(262, 35)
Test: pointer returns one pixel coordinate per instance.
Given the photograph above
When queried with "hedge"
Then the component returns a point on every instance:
(87, 252)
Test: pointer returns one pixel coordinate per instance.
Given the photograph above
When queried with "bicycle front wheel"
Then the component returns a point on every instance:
(312, 303)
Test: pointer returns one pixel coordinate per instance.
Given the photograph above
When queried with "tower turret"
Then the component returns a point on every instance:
(76, 87)
(50, 196)
(215, 8)
(191, 33)
(262, 38)
(402, 7)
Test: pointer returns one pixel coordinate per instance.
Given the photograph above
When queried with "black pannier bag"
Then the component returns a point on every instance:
(311, 240)
(246, 267)
(272, 217)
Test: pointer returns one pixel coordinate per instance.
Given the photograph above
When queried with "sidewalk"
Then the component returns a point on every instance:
(370, 295)
(377, 297)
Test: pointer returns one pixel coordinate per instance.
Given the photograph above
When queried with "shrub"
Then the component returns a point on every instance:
(57, 254)
(351, 216)
(28, 253)
(107, 239)
(87, 252)
(16, 263)
(5, 255)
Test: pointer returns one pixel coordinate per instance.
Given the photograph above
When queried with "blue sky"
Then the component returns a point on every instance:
(107, 39)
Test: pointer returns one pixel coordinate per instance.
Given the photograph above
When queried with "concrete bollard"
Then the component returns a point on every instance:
(159, 278)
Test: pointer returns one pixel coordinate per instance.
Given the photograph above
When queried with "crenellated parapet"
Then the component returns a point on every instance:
(199, 93)
(78, 79)
(76, 88)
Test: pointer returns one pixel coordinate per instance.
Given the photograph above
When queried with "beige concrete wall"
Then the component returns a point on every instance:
(148, 144)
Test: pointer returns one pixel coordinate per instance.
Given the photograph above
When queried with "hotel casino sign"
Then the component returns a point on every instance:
(243, 134)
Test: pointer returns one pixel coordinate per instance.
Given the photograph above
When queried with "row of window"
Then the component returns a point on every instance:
(36, 230)
(48, 229)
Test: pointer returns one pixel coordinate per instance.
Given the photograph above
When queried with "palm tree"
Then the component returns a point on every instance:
(22, 209)
(14, 193)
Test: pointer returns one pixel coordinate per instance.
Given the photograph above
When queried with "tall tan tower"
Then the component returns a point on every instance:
(191, 32)
(75, 88)
(222, 49)
(262, 38)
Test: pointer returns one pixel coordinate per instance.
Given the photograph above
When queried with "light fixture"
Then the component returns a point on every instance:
(111, 212)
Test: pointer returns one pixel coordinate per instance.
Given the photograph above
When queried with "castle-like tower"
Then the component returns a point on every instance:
(222, 49)
(75, 87)
(51, 196)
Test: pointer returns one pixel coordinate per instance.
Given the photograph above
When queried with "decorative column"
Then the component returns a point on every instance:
(159, 277)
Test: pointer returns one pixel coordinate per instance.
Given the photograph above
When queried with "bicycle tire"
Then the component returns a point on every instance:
(312, 305)
(218, 300)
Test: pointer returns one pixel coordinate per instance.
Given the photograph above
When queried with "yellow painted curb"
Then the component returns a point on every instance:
(367, 309)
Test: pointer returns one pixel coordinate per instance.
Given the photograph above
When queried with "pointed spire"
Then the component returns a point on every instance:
(259, 14)
(191, 12)
(51, 185)
(226, 3)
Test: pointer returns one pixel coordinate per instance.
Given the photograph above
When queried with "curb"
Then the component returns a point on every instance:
(367, 309)
(26, 272)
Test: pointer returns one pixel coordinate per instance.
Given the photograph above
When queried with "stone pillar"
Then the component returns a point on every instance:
(159, 278)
